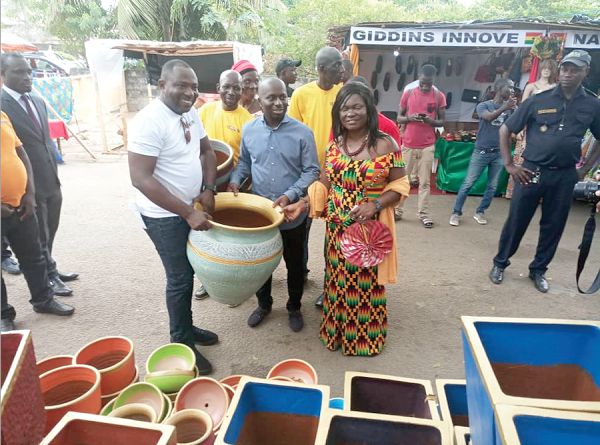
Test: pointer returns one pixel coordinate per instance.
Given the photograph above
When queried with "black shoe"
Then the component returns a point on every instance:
(68, 276)
(6, 324)
(204, 337)
(319, 301)
(496, 275)
(201, 293)
(9, 265)
(203, 365)
(296, 320)
(60, 288)
(539, 281)
(54, 307)
(257, 316)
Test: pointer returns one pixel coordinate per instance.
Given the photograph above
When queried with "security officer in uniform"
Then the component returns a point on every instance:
(556, 122)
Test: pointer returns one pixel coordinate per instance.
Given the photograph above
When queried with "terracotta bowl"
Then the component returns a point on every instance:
(70, 388)
(53, 362)
(108, 397)
(193, 427)
(143, 393)
(230, 391)
(135, 411)
(206, 394)
(113, 357)
(232, 380)
(297, 370)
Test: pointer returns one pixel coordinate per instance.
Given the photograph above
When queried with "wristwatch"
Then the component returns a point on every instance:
(378, 205)
(211, 187)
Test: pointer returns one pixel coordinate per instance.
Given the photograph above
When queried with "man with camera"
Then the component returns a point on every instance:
(556, 122)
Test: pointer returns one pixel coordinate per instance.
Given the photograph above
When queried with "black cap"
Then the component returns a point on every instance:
(577, 57)
(284, 63)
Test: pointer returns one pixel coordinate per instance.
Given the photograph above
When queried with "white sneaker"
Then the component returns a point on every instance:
(480, 218)
(455, 220)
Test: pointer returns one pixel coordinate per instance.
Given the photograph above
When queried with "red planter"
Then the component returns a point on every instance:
(56, 361)
(23, 415)
(70, 388)
(114, 358)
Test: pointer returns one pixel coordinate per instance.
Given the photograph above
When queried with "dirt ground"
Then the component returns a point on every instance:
(443, 275)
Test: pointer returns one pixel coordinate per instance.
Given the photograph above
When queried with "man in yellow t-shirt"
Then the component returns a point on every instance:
(311, 104)
(224, 119)
(20, 226)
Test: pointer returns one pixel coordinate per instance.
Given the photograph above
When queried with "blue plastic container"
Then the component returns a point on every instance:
(452, 399)
(267, 396)
(536, 342)
(535, 426)
(336, 403)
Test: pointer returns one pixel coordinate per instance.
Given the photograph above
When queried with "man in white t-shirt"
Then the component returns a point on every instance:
(172, 165)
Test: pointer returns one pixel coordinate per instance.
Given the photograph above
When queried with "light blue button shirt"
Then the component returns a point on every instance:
(281, 160)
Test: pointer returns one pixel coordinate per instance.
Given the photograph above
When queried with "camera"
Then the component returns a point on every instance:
(586, 191)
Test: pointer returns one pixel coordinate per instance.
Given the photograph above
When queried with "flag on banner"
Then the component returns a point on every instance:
(530, 37)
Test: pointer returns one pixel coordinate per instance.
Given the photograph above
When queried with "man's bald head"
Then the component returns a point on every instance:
(327, 55)
(230, 75)
(168, 69)
(230, 89)
(267, 85)
(273, 100)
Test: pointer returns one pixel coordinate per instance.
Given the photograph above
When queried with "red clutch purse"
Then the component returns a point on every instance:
(366, 244)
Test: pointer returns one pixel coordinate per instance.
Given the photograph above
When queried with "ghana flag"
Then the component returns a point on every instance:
(530, 36)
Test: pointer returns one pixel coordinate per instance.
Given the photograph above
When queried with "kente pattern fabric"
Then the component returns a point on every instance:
(58, 93)
(354, 308)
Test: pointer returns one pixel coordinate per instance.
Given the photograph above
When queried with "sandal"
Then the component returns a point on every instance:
(427, 222)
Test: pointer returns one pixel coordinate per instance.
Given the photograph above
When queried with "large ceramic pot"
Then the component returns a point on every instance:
(238, 254)
(224, 162)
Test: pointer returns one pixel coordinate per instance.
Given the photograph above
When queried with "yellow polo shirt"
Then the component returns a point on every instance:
(14, 174)
(224, 125)
(312, 106)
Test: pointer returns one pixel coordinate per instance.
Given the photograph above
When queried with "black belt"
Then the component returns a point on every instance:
(527, 163)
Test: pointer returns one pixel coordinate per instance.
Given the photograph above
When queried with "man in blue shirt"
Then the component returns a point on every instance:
(556, 122)
(492, 114)
(281, 156)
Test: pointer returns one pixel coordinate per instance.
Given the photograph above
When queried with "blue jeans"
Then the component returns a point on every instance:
(170, 236)
(479, 161)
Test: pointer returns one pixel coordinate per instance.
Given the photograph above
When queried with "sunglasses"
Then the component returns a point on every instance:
(186, 130)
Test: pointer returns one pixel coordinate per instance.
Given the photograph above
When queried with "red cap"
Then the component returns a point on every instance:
(241, 66)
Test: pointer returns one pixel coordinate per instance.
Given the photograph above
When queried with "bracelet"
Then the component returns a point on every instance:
(378, 205)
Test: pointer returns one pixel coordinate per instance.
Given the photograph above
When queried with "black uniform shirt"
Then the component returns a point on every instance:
(555, 126)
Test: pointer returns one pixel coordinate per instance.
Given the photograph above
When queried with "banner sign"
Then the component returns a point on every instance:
(466, 37)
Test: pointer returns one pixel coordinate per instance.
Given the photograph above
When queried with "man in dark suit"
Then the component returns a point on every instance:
(29, 117)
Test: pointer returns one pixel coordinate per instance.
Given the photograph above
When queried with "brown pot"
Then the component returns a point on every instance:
(53, 362)
(225, 163)
(70, 388)
(114, 358)
(192, 426)
(23, 415)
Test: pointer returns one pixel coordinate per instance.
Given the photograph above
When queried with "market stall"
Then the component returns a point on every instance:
(469, 57)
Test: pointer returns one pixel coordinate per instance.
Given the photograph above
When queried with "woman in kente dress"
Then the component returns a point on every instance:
(363, 179)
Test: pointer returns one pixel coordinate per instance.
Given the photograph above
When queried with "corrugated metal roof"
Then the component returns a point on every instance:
(193, 48)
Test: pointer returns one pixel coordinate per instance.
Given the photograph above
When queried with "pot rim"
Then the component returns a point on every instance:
(95, 385)
(182, 392)
(114, 395)
(167, 345)
(278, 216)
(186, 413)
(98, 340)
(136, 407)
(229, 160)
(295, 360)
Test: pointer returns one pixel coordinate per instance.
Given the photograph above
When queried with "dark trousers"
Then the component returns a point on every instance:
(555, 189)
(24, 240)
(293, 255)
(48, 215)
(170, 236)
(307, 234)
(6, 253)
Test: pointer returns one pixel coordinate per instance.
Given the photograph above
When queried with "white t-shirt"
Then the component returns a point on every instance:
(157, 131)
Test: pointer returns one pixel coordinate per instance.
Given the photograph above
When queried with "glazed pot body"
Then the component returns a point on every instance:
(234, 262)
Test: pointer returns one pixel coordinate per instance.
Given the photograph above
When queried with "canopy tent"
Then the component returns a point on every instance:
(208, 58)
(13, 43)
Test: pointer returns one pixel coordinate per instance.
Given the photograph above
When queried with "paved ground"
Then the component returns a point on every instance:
(443, 275)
